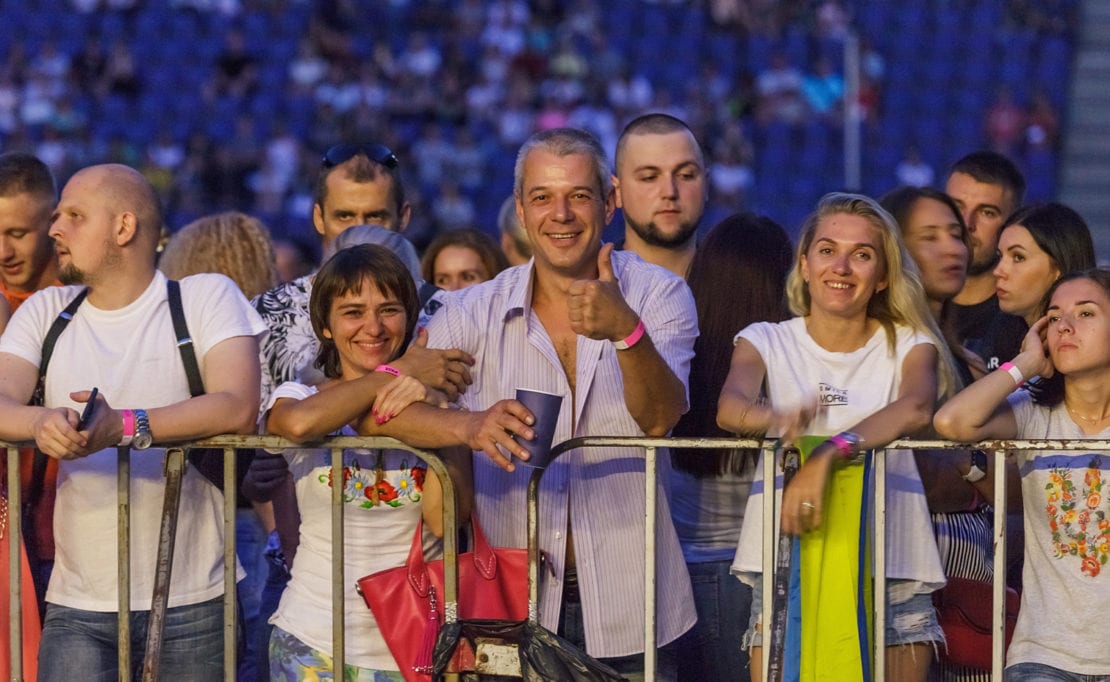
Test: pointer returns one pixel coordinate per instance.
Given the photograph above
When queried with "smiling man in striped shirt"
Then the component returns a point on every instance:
(614, 336)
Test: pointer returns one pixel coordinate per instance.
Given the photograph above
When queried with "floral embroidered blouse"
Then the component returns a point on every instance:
(382, 493)
(1067, 545)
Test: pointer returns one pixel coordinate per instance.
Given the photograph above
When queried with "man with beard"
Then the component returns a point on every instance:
(121, 340)
(987, 187)
(661, 188)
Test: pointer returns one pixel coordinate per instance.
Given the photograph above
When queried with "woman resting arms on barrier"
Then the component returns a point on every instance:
(1067, 510)
(866, 350)
(364, 309)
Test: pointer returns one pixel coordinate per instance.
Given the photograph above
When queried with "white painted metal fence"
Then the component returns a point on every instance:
(175, 461)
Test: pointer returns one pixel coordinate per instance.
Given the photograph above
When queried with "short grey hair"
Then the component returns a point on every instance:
(565, 142)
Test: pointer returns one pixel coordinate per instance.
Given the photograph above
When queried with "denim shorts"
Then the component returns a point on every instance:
(910, 616)
(1039, 672)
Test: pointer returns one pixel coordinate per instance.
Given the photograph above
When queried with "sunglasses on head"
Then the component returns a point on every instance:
(378, 153)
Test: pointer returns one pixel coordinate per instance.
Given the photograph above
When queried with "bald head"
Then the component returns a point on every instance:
(123, 189)
(106, 229)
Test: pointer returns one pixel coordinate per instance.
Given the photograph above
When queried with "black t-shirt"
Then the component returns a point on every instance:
(988, 332)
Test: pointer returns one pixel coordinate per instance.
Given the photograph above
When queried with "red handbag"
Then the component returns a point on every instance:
(964, 612)
(407, 601)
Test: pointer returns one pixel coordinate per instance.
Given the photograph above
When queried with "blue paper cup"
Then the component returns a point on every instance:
(545, 408)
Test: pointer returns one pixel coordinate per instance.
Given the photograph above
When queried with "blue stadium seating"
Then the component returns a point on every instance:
(943, 59)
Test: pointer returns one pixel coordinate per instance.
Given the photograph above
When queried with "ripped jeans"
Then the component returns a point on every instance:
(910, 617)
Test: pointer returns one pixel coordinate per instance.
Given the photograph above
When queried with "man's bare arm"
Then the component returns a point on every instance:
(423, 426)
(655, 396)
(231, 375)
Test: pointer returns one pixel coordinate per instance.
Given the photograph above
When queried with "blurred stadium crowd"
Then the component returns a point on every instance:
(228, 104)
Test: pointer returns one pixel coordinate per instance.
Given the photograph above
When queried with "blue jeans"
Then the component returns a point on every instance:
(573, 629)
(250, 545)
(1039, 672)
(81, 645)
(277, 577)
(711, 650)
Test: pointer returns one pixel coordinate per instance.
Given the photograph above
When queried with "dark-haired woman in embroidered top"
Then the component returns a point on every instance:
(364, 309)
(1067, 509)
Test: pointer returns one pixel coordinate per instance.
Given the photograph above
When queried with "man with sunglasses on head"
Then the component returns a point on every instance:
(357, 184)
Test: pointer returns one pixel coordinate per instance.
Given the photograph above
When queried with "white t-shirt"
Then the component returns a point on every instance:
(131, 355)
(848, 387)
(377, 537)
(1065, 597)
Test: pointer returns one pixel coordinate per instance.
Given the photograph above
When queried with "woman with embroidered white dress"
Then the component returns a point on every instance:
(1067, 510)
(863, 360)
(364, 310)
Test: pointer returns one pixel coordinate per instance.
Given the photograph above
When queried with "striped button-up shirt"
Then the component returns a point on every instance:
(599, 491)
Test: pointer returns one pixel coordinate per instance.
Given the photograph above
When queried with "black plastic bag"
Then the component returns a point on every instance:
(543, 654)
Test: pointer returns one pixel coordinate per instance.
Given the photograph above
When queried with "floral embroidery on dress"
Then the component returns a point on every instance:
(1079, 525)
(369, 488)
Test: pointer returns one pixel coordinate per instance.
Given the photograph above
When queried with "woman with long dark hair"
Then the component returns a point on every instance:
(462, 258)
(960, 501)
(1036, 245)
(738, 277)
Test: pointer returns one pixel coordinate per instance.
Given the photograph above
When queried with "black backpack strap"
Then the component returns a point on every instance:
(55, 331)
(184, 341)
(207, 461)
(38, 468)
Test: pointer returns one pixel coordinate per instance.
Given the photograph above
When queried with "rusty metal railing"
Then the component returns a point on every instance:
(650, 446)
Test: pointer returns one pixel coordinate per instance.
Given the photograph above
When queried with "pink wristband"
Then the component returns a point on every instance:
(1013, 371)
(631, 340)
(388, 369)
(847, 444)
(128, 427)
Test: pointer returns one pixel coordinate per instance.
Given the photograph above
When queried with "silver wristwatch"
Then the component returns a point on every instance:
(143, 437)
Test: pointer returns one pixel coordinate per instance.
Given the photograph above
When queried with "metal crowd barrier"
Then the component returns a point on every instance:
(174, 465)
(175, 462)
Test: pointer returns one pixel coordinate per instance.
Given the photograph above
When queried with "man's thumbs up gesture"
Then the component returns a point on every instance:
(597, 307)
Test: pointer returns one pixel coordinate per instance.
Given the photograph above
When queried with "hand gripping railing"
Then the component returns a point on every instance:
(650, 445)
